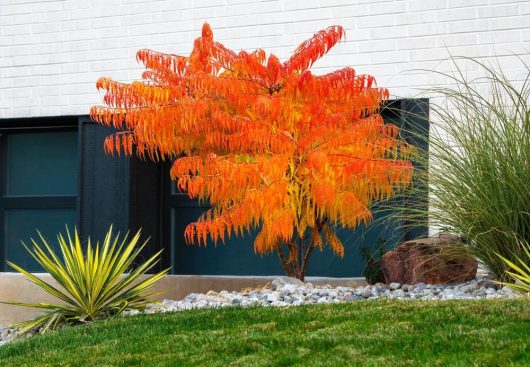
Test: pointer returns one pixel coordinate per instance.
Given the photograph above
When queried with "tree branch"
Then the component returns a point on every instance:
(293, 258)
(307, 254)
(284, 260)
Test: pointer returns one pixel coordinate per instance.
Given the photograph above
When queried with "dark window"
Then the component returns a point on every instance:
(39, 175)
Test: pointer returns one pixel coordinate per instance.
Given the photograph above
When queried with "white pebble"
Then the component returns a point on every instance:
(288, 292)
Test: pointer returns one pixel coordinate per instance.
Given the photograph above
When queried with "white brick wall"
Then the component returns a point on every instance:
(53, 51)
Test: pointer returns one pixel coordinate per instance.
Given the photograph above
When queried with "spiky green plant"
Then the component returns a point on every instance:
(478, 163)
(94, 284)
(519, 271)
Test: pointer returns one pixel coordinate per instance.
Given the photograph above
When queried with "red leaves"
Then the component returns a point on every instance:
(207, 31)
(324, 194)
(313, 49)
(269, 145)
(273, 71)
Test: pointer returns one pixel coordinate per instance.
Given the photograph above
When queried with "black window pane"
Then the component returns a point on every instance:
(22, 224)
(42, 163)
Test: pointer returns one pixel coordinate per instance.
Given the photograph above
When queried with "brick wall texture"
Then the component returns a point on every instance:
(53, 51)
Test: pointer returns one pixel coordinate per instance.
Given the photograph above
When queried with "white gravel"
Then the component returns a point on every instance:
(291, 292)
(285, 292)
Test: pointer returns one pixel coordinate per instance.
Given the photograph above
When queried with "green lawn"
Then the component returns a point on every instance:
(374, 333)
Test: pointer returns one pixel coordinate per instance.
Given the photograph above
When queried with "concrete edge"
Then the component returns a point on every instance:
(16, 287)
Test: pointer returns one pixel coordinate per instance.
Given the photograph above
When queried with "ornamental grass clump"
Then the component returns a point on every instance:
(94, 284)
(479, 165)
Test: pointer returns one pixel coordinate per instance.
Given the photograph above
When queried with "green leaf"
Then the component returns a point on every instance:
(96, 281)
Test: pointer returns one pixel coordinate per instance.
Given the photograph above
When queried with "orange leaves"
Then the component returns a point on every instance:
(119, 142)
(278, 228)
(323, 194)
(313, 49)
(333, 241)
(216, 178)
(317, 160)
(273, 71)
(162, 68)
(108, 144)
(207, 31)
(269, 145)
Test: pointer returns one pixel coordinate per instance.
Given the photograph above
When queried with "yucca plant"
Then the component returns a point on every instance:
(95, 283)
(519, 270)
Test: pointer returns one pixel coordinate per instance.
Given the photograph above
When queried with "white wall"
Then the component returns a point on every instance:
(53, 51)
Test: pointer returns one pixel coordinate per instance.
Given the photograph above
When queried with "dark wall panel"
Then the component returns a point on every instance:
(145, 206)
(104, 184)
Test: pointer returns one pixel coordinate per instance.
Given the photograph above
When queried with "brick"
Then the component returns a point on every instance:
(389, 32)
(422, 5)
(55, 101)
(384, 8)
(19, 112)
(105, 22)
(6, 62)
(504, 1)
(389, 57)
(464, 3)
(524, 8)
(349, 10)
(26, 101)
(291, 16)
(450, 15)
(33, 7)
(476, 25)
(21, 39)
(498, 10)
(377, 46)
(16, 30)
(19, 92)
(499, 37)
(415, 17)
(46, 69)
(375, 21)
(460, 39)
(295, 4)
(414, 43)
(52, 52)
(428, 54)
(61, 36)
(16, 72)
(510, 22)
(137, 19)
(74, 46)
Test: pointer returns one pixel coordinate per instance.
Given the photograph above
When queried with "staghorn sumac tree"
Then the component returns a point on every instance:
(268, 144)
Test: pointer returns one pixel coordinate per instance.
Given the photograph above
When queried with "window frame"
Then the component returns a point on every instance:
(33, 125)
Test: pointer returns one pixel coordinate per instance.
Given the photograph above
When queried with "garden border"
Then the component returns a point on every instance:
(15, 287)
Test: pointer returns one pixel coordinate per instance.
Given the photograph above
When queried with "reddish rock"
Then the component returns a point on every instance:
(428, 260)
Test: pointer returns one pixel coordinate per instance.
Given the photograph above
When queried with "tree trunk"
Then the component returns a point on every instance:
(296, 261)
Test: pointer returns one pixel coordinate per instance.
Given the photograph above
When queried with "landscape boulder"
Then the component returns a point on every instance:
(280, 282)
(429, 260)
